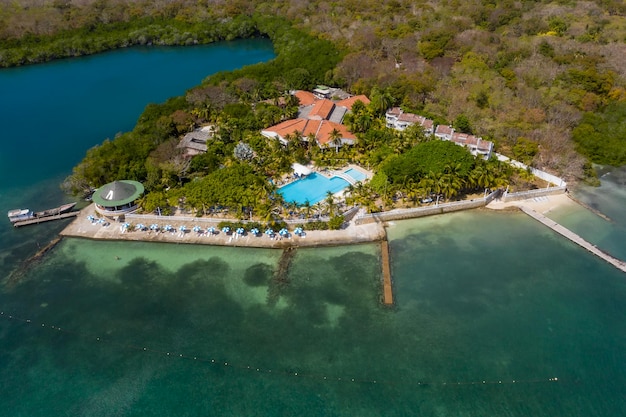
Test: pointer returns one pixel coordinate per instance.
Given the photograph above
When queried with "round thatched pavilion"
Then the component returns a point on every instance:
(117, 198)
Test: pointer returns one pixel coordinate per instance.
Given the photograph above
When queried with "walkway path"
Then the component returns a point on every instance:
(387, 289)
(82, 226)
(563, 231)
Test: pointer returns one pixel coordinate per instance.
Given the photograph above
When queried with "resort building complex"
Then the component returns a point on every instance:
(319, 119)
(397, 119)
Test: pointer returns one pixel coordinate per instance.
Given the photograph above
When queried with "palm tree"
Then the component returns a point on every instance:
(307, 208)
(381, 101)
(351, 195)
(451, 184)
(330, 202)
(335, 139)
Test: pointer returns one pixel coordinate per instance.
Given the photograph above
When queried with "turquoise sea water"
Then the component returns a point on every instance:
(147, 329)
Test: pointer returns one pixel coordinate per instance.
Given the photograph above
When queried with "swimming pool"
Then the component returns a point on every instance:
(312, 188)
(356, 174)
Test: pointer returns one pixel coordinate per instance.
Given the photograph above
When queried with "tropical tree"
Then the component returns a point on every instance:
(330, 202)
(381, 101)
(243, 152)
(335, 139)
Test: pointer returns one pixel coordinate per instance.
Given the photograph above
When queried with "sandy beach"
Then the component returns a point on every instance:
(542, 205)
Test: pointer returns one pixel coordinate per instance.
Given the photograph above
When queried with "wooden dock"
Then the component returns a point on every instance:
(38, 220)
(563, 231)
(387, 290)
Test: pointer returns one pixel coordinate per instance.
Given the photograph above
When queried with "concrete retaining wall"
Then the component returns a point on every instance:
(552, 179)
(523, 195)
(413, 213)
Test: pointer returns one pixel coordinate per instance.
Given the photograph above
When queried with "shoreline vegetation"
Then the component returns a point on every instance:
(240, 166)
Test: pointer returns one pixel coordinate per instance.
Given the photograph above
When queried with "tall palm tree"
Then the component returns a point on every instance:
(307, 208)
(335, 139)
(451, 184)
(330, 202)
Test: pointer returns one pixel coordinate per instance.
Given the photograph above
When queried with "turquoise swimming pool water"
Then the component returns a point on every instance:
(356, 174)
(312, 188)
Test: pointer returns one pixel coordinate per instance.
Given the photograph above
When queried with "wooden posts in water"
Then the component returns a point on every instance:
(387, 289)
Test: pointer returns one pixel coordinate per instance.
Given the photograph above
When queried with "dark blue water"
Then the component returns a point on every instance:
(495, 316)
(51, 114)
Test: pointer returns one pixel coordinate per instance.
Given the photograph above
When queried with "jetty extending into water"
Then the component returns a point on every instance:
(37, 220)
(387, 289)
(565, 232)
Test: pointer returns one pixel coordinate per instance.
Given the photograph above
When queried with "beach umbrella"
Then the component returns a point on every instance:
(140, 226)
(269, 232)
(241, 230)
(283, 232)
(126, 225)
(297, 230)
(154, 226)
(196, 229)
(168, 227)
(254, 231)
(226, 229)
(91, 218)
(211, 230)
(182, 228)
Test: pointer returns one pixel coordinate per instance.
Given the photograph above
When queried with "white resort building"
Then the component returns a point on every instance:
(400, 120)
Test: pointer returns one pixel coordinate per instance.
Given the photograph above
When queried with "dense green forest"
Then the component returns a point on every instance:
(545, 80)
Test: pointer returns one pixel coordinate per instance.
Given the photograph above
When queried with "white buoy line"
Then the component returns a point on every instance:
(224, 363)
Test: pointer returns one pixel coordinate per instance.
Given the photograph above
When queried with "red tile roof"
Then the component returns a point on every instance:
(321, 129)
(394, 111)
(444, 130)
(349, 102)
(306, 98)
(410, 118)
(321, 109)
(326, 128)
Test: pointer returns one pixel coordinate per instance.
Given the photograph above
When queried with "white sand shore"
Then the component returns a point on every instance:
(543, 204)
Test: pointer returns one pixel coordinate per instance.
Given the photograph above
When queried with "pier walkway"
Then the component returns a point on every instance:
(387, 290)
(38, 220)
(563, 231)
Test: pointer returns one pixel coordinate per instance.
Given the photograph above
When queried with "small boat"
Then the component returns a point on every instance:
(19, 215)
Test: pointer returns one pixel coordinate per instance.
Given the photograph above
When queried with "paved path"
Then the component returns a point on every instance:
(387, 290)
(82, 226)
(563, 231)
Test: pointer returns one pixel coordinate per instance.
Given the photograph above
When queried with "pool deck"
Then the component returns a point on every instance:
(82, 227)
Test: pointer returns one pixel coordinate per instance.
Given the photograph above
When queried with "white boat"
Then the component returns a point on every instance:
(19, 215)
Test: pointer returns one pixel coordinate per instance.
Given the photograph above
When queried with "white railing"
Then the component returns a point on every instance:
(552, 179)
(523, 195)
(348, 178)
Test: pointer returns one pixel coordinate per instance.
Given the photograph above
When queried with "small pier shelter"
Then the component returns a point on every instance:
(117, 198)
